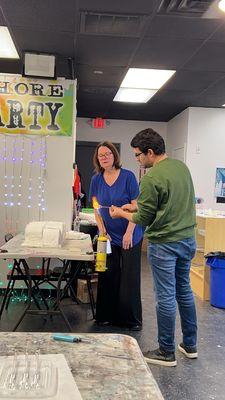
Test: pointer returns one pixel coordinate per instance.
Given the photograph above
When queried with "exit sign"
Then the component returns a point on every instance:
(98, 123)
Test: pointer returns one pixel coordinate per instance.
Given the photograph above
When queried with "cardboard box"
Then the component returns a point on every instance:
(145, 244)
(82, 290)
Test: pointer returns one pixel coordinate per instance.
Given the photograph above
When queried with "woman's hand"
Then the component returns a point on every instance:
(104, 233)
(130, 207)
(127, 240)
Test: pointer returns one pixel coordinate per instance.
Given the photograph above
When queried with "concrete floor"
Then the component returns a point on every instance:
(201, 379)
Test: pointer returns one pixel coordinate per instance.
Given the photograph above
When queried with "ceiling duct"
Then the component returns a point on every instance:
(185, 8)
(92, 23)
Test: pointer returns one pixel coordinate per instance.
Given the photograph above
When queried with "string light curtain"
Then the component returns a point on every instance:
(22, 178)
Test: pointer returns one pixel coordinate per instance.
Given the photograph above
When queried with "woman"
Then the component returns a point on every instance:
(119, 294)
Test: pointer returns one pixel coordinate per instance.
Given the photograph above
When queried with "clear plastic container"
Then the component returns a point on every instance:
(28, 378)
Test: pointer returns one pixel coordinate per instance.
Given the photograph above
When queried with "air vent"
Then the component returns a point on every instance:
(110, 24)
(186, 8)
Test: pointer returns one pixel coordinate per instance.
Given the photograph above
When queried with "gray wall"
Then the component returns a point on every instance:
(119, 131)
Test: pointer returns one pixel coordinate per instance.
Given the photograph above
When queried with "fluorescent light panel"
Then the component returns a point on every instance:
(7, 47)
(221, 5)
(129, 95)
(146, 78)
(139, 84)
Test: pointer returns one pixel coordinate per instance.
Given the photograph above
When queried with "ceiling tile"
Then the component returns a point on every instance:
(209, 101)
(164, 53)
(187, 28)
(118, 6)
(92, 107)
(219, 35)
(48, 15)
(111, 76)
(10, 66)
(175, 97)
(56, 43)
(211, 57)
(2, 19)
(105, 51)
(195, 81)
(215, 90)
(91, 92)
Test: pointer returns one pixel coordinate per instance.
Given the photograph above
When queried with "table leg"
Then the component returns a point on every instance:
(29, 295)
(58, 298)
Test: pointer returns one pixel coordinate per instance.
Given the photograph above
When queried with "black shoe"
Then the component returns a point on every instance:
(160, 357)
(135, 328)
(188, 351)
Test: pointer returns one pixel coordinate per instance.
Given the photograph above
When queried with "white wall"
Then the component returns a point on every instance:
(201, 131)
(119, 131)
(177, 133)
(59, 179)
(206, 151)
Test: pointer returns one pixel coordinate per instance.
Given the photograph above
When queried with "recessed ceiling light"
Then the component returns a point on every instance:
(146, 78)
(98, 72)
(221, 5)
(7, 48)
(129, 95)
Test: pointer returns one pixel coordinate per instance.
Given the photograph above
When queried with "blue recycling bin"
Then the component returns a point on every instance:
(217, 280)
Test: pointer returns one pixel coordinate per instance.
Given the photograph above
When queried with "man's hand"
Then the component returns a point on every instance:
(129, 207)
(116, 212)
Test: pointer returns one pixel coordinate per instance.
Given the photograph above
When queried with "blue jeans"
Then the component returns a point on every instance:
(170, 263)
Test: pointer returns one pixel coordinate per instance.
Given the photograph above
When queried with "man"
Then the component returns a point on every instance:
(166, 205)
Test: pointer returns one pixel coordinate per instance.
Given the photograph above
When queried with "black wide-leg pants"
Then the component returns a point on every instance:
(119, 288)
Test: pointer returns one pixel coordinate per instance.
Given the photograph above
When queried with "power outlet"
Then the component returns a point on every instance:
(197, 150)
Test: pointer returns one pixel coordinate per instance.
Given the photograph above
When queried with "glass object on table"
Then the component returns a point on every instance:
(28, 377)
(76, 224)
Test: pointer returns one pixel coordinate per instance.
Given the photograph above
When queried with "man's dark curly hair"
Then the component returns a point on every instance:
(148, 139)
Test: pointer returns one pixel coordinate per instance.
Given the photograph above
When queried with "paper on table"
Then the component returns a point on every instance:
(72, 235)
(108, 247)
(51, 237)
(34, 230)
(67, 383)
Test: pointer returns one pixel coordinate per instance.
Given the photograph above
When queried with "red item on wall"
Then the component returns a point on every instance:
(98, 123)
(77, 183)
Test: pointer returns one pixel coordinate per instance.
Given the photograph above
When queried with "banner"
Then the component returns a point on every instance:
(33, 106)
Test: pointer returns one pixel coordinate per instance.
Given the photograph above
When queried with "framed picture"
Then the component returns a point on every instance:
(220, 182)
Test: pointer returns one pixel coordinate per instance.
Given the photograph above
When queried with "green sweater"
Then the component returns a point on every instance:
(166, 204)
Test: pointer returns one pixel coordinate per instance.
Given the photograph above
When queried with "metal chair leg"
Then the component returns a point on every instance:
(7, 291)
(9, 294)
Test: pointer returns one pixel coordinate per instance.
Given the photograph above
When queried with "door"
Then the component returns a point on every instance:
(84, 160)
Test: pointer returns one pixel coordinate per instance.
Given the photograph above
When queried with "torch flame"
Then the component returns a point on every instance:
(95, 203)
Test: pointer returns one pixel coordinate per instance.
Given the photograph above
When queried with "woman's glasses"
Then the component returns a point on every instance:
(106, 155)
